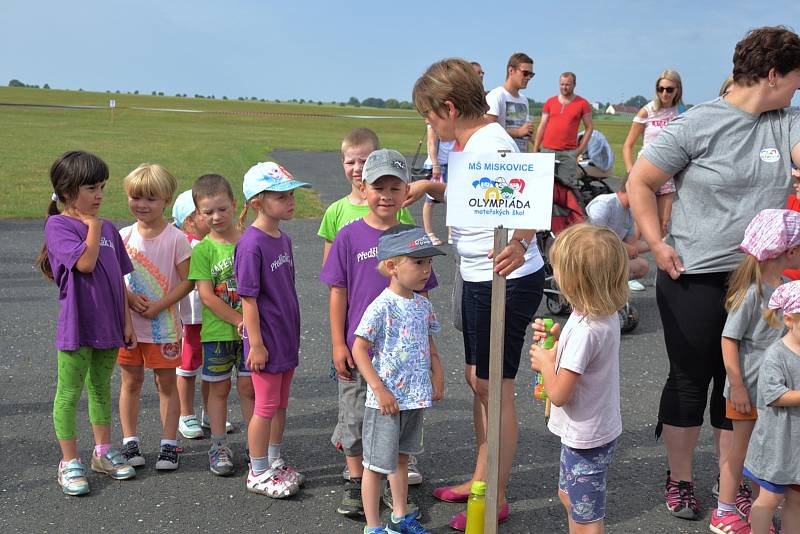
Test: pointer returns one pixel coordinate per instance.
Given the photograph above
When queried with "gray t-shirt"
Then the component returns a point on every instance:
(607, 210)
(773, 454)
(728, 166)
(754, 334)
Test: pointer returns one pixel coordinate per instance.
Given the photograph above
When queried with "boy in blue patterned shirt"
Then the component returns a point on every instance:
(404, 373)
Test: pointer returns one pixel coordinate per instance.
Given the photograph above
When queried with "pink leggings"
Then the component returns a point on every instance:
(272, 392)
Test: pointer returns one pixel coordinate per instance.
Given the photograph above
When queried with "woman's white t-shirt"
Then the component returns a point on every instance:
(474, 244)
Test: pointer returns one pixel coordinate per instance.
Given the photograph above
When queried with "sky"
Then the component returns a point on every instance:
(330, 51)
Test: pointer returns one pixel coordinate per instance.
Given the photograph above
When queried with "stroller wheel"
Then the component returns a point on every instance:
(555, 306)
(628, 318)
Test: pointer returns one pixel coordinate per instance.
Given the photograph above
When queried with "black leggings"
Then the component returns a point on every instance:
(693, 315)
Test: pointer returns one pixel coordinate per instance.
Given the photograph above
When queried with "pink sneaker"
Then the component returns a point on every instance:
(728, 523)
(744, 500)
(680, 498)
(271, 483)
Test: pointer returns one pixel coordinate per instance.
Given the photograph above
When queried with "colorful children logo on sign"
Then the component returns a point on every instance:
(514, 190)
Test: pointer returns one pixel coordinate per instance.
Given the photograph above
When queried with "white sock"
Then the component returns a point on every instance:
(127, 440)
(274, 452)
(726, 507)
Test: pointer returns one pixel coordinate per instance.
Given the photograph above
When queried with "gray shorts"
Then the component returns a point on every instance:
(387, 436)
(352, 396)
(567, 165)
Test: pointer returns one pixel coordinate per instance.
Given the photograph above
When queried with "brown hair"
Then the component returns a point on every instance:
(591, 267)
(747, 273)
(673, 76)
(360, 137)
(569, 74)
(68, 173)
(209, 185)
(517, 59)
(384, 270)
(452, 80)
(726, 85)
(763, 49)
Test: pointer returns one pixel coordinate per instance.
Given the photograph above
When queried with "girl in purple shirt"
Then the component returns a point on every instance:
(85, 257)
(264, 267)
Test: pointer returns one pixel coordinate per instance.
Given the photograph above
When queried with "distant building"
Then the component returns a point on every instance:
(597, 106)
(619, 109)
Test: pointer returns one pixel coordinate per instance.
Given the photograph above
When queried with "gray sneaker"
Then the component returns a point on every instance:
(411, 508)
(133, 456)
(414, 476)
(220, 460)
(351, 505)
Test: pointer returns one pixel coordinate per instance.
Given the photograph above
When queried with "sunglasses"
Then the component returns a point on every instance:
(527, 73)
(668, 90)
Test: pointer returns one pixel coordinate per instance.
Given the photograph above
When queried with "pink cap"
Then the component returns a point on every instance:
(771, 233)
(786, 298)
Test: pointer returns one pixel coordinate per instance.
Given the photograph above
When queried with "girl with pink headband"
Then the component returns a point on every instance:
(770, 244)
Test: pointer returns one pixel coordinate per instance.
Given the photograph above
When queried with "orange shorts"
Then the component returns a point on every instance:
(731, 413)
(152, 355)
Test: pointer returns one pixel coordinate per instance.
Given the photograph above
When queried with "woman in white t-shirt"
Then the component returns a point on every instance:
(648, 122)
(450, 97)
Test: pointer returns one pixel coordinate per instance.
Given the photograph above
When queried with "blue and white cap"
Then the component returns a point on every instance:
(268, 176)
(406, 240)
(182, 208)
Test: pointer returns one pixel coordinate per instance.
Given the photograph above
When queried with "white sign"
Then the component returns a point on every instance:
(514, 190)
(112, 103)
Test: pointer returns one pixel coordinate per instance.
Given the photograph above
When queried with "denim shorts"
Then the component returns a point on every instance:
(523, 296)
(219, 359)
(582, 476)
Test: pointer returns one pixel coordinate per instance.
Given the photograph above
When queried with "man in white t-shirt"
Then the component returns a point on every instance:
(508, 106)
(613, 211)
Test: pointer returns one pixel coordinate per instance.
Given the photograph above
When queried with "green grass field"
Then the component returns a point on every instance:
(188, 144)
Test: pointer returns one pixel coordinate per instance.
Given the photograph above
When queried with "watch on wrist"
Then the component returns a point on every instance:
(524, 242)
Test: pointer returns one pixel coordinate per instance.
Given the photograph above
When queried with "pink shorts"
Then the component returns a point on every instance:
(272, 392)
(192, 352)
(667, 188)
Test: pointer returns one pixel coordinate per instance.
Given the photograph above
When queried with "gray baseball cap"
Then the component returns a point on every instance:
(406, 240)
(385, 162)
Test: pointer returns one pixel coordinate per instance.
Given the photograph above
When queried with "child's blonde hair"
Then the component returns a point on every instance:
(747, 273)
(150, 180)
(774, 318)
(384, 270)
(591, 267)
(360, 137)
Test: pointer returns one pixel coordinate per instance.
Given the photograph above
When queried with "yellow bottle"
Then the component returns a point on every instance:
(476, 508)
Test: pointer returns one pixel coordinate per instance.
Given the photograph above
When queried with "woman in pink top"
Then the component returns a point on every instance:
(651, 119)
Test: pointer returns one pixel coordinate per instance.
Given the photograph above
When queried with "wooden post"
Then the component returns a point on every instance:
(496, 338)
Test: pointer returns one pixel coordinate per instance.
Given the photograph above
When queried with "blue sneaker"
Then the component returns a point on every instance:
(72, 478)
(220, 459)
(409, 524)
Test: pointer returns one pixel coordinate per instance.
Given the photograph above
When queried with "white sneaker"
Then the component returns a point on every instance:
(636, 285)
(270, 483)
(205, 423)
(414, 476)
(289, 472)
(189, 427)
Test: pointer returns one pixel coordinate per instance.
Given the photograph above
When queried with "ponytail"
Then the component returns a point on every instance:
(773, 317)
(42, 260)
(746, 274)
(242, 223)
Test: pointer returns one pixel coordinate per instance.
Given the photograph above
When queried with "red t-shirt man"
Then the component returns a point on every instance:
(563, 120)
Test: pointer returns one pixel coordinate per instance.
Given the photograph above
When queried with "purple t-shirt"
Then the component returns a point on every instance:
(264, 267)
(353, 264)
(92, 305)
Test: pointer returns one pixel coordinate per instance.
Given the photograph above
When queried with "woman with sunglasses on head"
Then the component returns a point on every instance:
(731, 158)
(648, 122)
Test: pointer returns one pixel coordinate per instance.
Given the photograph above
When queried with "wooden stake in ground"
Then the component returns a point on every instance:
(496, 338)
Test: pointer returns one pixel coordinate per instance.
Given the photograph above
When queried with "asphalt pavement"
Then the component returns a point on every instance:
(192, 499)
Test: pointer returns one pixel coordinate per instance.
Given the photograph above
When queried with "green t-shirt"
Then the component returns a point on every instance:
(214, 261)
(343, 212)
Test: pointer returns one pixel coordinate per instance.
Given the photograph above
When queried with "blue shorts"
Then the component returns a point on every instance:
(219, 359)
(523, 296)
(582, 476)
(780, 489)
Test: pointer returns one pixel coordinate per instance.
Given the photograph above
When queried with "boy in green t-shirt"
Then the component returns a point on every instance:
(357, 145)
(211, 268)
